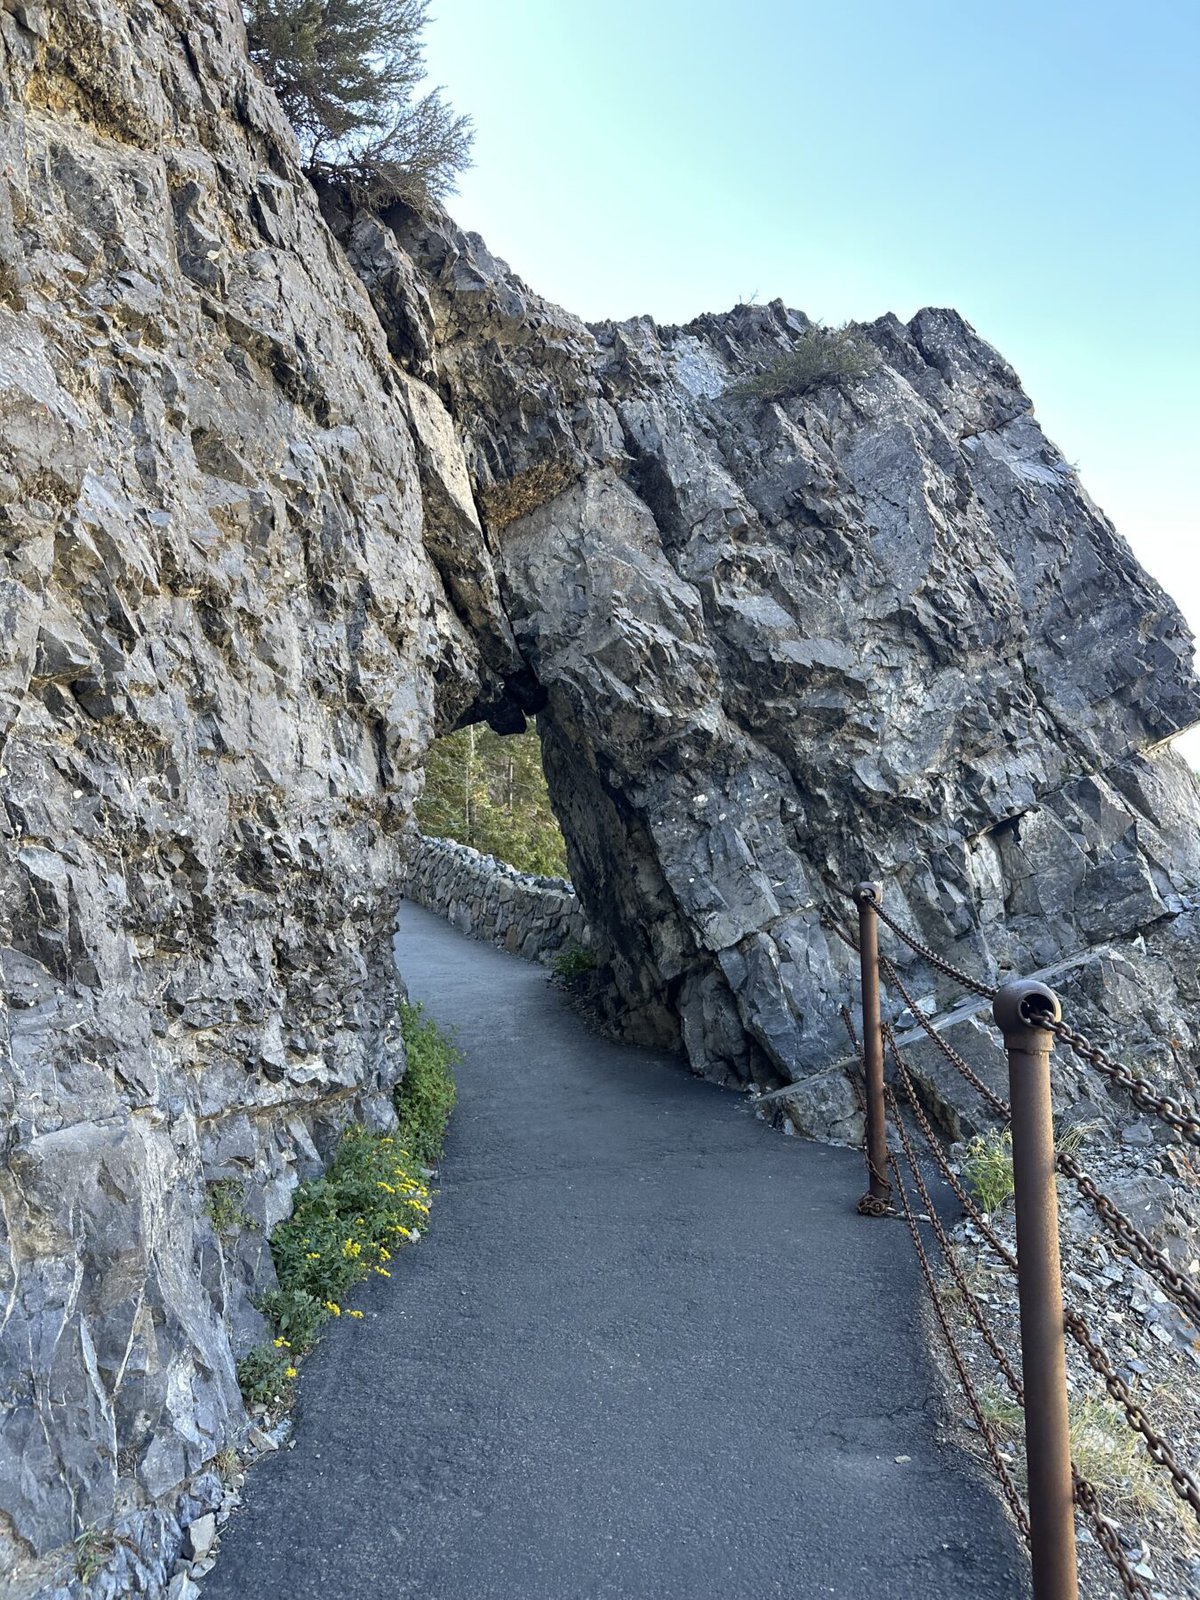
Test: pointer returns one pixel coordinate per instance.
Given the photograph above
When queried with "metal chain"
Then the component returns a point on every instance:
(1157, 1447)
(848, 1021)
(829, 919)
(939, 963)
(1142, 1094)
(1088, 1502)
(1136, 1242)
(985, 1430)
(942, 1158)
(999, 1106)
(970, 1300)
(1085, 1495)
(1173, 1281)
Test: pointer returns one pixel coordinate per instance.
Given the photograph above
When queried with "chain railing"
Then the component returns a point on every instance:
(1028, 1016)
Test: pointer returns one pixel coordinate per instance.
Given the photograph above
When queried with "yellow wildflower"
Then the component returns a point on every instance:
(333, 1307)
(383, 1272)
(290, 1372)
(356, 1314)
(282, 1344)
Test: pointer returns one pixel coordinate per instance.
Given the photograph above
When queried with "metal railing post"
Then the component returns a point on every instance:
(1021, 1010)
(877, 1202)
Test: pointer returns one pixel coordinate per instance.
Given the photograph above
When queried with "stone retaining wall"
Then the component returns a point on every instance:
(488, 899)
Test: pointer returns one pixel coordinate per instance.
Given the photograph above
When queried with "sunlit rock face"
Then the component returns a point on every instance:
(878, 630)
(232, 614)
(285, 490)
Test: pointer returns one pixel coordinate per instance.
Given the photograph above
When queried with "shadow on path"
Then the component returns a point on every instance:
(648, 1352)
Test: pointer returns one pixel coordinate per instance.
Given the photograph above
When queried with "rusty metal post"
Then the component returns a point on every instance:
(1019, 1009)
(877, 1202)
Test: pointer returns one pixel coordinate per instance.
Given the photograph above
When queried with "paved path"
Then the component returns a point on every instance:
(648, 1352)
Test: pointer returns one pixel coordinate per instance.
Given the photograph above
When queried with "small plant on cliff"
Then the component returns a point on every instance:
(265, 1375)
(344, 1226)
(426, 1095)
(819, 356)
(571, 962)
(92, 1549)
(225, 1206)
(988, 1168)
(348, 74)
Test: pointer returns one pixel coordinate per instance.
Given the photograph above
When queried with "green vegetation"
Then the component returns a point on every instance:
(225, 1204)
(490, 792)
(988, 1165)
(347, 74)
(265, 1374)
(347, 1224)
(426, 1096)
(92, 1550)
(1104, 1449)
(988, 1168)
(819, 356)
(571, 962)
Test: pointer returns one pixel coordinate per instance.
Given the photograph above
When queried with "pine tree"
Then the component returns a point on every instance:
(347, 73)
(490, 792)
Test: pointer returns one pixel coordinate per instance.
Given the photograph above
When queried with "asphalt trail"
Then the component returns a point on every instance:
(647, 1352)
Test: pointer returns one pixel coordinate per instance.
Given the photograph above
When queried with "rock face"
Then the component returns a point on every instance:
(226, 642)
(284, 490)
(875, 630)
(530, 916)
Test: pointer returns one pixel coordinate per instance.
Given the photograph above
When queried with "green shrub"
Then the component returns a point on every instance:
(225, 1206)
(571, 962)
(346, 1224)
(343, 1227)
(265, 1375)
(347, 74)
(988, 1168)
(426, 1094)
(819, 356)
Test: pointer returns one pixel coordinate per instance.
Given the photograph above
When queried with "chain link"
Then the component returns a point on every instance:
(1088, 1502)
(939, 963)
(1142, 1094)
(1173, 1281)
(1157, 1447)
(999, 1106)
(1007, 1485)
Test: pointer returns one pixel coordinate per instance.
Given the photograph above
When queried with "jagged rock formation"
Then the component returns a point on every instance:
(533, 917)
(226, 644)
(284, 491)
(877, 632)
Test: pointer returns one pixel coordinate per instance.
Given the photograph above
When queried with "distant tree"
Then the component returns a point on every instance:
(348, 73)
(490, 792)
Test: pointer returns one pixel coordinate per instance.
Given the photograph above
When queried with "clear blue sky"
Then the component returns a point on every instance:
(1033, 164)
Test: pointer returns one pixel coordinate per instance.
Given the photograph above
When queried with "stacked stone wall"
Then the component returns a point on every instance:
(488, 899)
